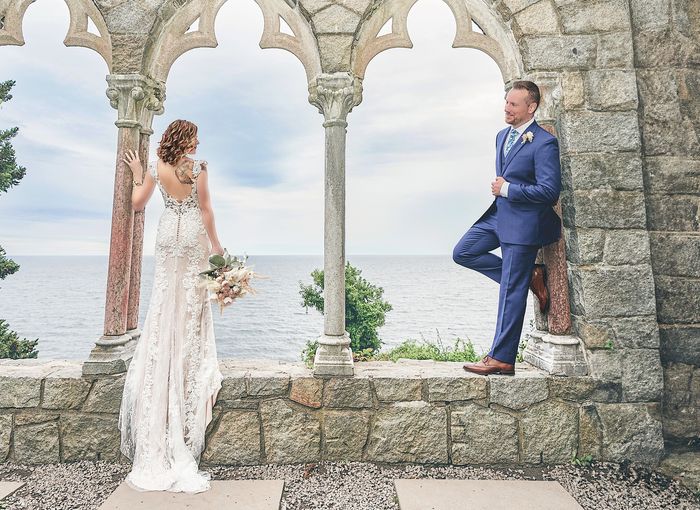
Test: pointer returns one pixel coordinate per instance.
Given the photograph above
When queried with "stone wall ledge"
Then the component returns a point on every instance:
(278, 412)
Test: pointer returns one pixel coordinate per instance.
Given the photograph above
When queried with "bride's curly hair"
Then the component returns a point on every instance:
(177, 141)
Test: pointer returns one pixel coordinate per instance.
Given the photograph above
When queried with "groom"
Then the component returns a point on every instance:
(520, 221)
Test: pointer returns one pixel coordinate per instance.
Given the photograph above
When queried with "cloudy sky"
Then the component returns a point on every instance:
(420, 147)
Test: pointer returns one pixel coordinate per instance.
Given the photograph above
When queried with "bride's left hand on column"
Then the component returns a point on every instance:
(131, 158)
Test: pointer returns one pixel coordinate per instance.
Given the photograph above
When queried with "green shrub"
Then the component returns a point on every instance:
(309, 351)
(462, 350)
(365, 309)
(584, 461)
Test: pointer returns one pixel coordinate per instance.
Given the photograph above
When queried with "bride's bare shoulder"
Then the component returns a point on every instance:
(199, 167)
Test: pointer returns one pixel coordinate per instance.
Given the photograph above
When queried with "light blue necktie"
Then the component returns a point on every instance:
(511, 140)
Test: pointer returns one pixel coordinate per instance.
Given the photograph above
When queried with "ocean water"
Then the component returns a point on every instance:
(60, 300)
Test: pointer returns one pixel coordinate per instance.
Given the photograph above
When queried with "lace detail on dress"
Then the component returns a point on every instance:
(173, 378)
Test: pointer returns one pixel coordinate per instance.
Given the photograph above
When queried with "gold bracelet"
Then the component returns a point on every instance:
(143, 178)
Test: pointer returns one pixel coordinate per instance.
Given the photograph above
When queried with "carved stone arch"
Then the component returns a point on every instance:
(81, 11)
(303, 44)
(497, 40)
(11, 17)
(173, 38)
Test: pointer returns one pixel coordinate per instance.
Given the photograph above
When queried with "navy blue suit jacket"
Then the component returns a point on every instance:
(533, 172)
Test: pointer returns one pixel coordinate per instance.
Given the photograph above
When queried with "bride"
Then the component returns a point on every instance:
(174, 378)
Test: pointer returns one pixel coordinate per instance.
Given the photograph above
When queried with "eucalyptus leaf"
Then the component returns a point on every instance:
(217, 260)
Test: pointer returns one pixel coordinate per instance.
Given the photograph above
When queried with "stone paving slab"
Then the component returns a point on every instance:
(428, 494)
(7, 488)
(224, 494)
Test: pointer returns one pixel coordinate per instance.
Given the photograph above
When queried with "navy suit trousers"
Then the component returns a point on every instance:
(513, 272)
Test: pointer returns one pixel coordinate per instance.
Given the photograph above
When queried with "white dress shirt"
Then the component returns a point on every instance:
(520, 130)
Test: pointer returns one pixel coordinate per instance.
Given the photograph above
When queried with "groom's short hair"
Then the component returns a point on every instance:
(532, 89)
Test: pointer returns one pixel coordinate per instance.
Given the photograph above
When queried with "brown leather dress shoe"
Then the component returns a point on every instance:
(538, 285)
(489, 366)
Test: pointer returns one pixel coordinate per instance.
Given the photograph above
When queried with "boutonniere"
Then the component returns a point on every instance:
(528, 137)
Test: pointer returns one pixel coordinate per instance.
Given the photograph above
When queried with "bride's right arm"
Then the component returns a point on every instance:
(207, 211)
(144, 184)
(141, 194)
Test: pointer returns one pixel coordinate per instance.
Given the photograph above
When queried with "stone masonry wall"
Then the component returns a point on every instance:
(411, 411)
(667, 58)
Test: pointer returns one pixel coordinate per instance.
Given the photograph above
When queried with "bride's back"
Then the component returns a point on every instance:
(177, 186)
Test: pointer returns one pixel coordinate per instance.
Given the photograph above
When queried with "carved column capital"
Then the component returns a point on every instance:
(335, 95)
(136, 98)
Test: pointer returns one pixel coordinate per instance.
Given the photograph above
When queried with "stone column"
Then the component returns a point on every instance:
(130, 94)
(132, 320)
(550, 345)
(154, 106)
(334, 95)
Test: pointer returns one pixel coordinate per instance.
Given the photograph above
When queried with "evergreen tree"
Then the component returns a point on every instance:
(12, 347)
(10, 174)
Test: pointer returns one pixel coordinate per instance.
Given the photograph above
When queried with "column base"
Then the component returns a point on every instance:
(334, 356)
(112, 354)
(556, 354)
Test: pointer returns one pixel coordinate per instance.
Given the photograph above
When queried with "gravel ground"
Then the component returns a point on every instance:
(352, 486)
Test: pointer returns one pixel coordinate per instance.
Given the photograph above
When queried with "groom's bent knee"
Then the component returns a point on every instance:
(462, 258)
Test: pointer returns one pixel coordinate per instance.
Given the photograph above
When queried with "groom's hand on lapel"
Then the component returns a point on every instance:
(496, 186)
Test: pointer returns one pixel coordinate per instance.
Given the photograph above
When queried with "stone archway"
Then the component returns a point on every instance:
(551, 346)
(494, 39)
(137, 97)
(335, 43)
(172, 37)
(140, 44)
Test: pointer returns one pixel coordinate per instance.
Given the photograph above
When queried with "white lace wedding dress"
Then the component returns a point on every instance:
(174, 378)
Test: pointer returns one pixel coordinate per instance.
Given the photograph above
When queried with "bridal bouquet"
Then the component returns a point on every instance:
(228, 279)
